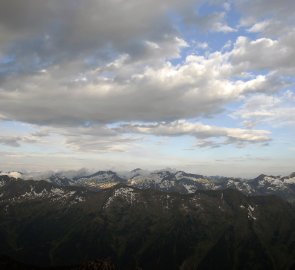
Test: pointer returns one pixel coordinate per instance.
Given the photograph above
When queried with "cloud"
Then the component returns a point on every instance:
(127, 91)
(93, 78)
(215, 22)
(276, 111)
(44, 33)
(8, 141)
(78, 139)
(201, 45)
(265, 53)
(277, 9)
(17, 141)
(239, 137)
(207, 144)
(66, 63)
(105, 62)
(96, 138)
(82, 143)
(127, 137)
(89, 33)
(260, 26)
(268, 18)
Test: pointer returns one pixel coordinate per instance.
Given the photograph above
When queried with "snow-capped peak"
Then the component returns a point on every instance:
(15, 175)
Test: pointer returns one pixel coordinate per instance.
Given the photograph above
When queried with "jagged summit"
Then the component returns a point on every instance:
(260, 177)
(136, 170)
(169, 181)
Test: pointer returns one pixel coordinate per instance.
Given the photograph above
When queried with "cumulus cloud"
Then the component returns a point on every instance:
(90, 23)
(69, 62)
(124, 91)
(43, 33)
(106, 62)
(265, 53)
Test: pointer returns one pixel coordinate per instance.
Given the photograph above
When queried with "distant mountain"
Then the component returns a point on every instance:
(44, 224)
(171, 181)
(101, 180)
(12, 174)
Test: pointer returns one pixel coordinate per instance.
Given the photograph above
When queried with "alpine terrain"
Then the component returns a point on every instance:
(147, 221)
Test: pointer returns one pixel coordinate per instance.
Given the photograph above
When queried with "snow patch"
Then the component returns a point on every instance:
(251, 212)
(125, 193)
(79, 199)
(289, 180)
(57, 191)
(15, 175)
(195, 201)
(190, 188)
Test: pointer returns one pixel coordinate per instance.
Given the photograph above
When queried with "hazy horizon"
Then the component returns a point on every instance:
(120, 171)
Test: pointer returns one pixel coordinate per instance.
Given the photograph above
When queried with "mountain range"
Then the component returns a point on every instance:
(168, 181)
(46, 224)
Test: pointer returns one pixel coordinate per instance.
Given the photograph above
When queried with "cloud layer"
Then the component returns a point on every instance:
(104, 76)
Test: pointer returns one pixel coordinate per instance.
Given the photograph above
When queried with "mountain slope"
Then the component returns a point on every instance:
(44, 224)
(169, 181)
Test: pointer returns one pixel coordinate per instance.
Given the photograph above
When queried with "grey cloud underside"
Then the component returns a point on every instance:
(74, 39)
(214, 22)
(277, 9)
(125, 137)
(81, 46)
(16, 141)
(200, 87)
(269, 18)
(52, 32)
(200, 131)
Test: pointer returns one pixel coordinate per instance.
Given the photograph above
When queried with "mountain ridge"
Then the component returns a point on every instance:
(172, 180)
(45, 224)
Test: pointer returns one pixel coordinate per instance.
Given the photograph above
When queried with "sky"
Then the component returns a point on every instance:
(200, 86)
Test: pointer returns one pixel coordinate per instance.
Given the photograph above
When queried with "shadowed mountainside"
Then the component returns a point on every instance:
(47, 225)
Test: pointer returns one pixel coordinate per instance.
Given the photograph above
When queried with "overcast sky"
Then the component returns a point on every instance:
(202, 86)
